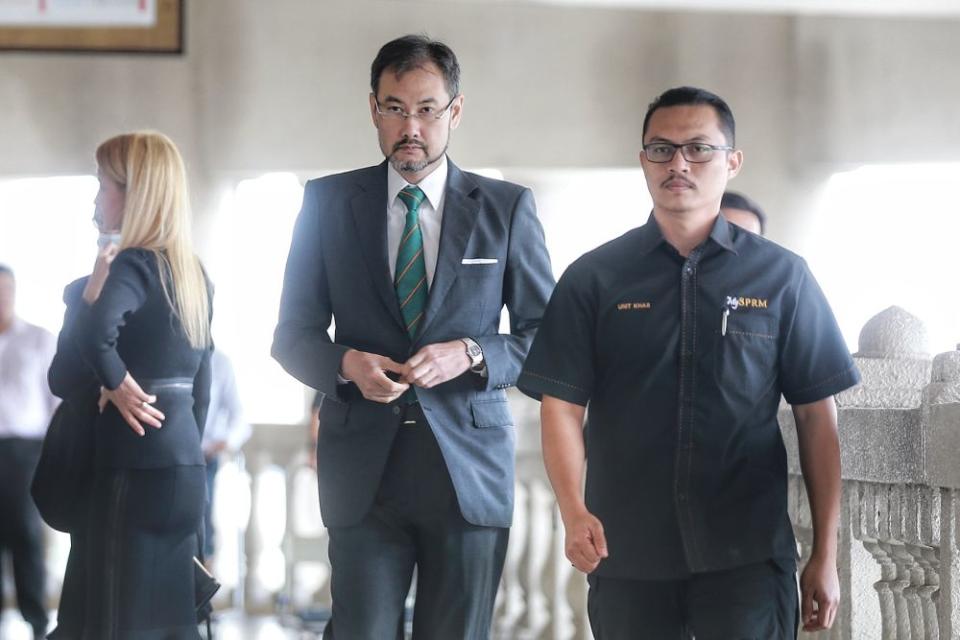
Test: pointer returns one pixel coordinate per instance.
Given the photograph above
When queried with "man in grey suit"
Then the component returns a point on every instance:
(414, 259)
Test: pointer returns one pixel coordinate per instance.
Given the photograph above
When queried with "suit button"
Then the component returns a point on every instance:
(396, 411)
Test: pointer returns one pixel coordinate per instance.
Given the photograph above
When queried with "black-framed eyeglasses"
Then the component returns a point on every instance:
(691, 151)
(425, 113)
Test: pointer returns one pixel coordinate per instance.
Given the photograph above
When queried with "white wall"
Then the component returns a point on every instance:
(282, 86)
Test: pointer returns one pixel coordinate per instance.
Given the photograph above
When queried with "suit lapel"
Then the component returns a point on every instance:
(369, 208)
(459, 217)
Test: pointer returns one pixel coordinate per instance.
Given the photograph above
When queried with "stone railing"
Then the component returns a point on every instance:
(900, 453)
(899, 557)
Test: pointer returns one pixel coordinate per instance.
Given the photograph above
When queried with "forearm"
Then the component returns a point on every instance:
(819, 448)
(564, 453)
(309, 355)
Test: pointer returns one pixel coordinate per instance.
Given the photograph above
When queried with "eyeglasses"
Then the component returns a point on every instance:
(425, 113)
(691, 151)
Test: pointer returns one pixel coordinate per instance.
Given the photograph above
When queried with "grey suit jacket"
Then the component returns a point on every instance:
(337, 268)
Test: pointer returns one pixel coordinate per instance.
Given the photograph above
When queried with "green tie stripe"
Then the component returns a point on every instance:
(411, 269)
(410, 264)
(410, 297)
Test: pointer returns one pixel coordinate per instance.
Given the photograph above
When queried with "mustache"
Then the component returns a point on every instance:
(679, 179)
(407, 142)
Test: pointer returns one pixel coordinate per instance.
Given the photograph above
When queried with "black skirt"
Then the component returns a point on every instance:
(130, 575)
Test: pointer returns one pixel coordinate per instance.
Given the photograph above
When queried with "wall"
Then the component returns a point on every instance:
(282, 86)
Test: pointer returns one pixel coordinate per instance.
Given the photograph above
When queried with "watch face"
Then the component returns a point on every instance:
(473, 350)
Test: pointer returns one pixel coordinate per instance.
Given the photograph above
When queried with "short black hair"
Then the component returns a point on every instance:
(7, 270)
(734, 200)
(411, 52)
(683, 96)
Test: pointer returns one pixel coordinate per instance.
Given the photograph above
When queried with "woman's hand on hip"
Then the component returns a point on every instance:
(134, 404)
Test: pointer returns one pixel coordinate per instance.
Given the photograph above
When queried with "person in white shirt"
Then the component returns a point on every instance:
(26, 405)
(226, 431)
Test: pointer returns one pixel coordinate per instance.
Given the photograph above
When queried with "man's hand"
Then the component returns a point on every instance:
(820, 586)
(369, 372)
(214, 448)
(436, 363)
(585, 545)
(133, 403)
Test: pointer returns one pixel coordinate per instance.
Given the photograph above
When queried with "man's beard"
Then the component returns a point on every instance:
(414, 166)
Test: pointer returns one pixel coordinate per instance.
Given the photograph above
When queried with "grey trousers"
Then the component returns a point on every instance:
(415, 523)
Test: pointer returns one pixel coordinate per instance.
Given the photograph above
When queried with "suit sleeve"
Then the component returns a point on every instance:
(124, 292)
(301, 343)
(528, 282)
(68, 372)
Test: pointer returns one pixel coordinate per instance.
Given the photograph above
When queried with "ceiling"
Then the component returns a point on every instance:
(928, 8)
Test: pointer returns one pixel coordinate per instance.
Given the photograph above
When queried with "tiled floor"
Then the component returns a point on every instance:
(229, 625)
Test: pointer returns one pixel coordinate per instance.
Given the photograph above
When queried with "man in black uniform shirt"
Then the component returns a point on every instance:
(681, 335)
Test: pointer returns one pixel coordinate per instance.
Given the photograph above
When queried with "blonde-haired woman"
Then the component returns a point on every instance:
(144, 332)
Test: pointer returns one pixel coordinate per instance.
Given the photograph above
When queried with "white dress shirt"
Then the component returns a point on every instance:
(225, 421)
(431, 215)
(26, 403)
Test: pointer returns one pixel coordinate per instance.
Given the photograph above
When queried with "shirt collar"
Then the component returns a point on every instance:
(722, 233)
(651, 237)
(433, 185)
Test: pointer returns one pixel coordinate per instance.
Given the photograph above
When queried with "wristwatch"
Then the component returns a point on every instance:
(475, 354)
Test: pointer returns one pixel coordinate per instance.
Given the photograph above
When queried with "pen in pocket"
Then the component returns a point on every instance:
(730, 305)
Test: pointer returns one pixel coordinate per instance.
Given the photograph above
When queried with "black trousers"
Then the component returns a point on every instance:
(753, 602)
(21, 530)
(415, 523)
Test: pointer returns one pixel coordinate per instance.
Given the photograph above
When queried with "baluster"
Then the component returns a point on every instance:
(911, 593)
(902, 563)
(884, 588)
(542, 505)
(928, 592)
(511, 603)
(565, 578)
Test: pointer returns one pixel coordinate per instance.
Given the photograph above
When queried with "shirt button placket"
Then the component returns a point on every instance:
(684, 456)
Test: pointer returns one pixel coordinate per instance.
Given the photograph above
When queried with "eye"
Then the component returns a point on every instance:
(701, 148)
(393, 109)
(660, 149)
(427, 111)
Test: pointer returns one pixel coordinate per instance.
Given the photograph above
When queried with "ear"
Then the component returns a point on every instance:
(456, 112)
(373, 111)
(734, 162)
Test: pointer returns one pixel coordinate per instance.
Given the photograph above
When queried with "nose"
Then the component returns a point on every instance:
(678, 164)
(411, 126)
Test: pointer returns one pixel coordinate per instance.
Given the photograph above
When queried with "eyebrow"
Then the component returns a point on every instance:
(699, 138)
(399, 101)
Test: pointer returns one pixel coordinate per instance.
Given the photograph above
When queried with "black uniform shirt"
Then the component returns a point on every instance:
(686, 468)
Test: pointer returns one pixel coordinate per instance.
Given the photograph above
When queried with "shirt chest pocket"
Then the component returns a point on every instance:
(745, 358)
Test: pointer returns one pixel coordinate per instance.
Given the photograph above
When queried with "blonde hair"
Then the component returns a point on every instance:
(156, 216)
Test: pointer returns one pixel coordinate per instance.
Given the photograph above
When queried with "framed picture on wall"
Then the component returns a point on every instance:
(131, 26)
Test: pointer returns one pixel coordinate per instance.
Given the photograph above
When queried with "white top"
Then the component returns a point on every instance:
(26, 403)
(225, 421)
(431, 215)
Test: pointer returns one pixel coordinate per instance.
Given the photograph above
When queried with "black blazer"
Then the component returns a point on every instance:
(132, 327)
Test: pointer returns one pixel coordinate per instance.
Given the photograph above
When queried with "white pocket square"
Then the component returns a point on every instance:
(479, 261)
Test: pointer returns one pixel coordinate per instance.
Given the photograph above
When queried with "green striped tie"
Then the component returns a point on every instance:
(411, 275)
